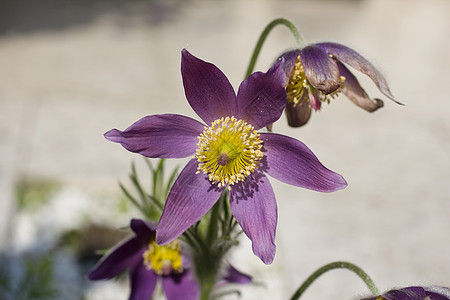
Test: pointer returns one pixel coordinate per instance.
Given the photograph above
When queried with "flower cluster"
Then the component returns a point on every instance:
(227, 152)
(226, 179)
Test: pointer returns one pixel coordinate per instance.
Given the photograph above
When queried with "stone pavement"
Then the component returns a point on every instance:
(67, 78)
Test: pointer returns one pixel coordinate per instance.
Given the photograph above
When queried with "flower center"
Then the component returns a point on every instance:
(228, 151)
(298, 86)
(163, 260)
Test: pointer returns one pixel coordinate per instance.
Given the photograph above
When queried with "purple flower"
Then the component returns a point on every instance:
(415, 293)
(149, 262)
(227, 152)
(317, 74)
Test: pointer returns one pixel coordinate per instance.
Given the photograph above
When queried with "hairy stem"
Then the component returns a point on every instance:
(265, 33)
(336, 265)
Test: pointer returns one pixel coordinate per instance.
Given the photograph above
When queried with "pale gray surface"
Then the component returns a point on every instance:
(61, 89)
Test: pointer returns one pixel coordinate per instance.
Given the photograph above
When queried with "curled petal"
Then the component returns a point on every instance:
(235, 276)
(261, 97)
(191, 196)
(207, 89)
(289, 60)
(142, 228)
(355, 60)
(298, 115)
(320, 69)
(253, 204)
(181, 286)
(143, 282)
(124, 255)
(353, 90)
(160, 136)
(290, 161)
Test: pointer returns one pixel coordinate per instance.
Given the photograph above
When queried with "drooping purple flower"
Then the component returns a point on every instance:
(227, 152)
(149, 262)
(415, 293)
(316, 74)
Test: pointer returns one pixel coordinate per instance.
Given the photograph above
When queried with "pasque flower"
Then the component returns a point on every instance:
(415, 293)
(316, 74)
(227, 152)
(149, 262)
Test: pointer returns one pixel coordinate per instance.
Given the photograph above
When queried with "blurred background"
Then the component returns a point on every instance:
(71, 70)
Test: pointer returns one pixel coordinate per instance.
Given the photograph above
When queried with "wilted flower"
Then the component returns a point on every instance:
(228, 152)
(415, 293)
(149, 262)
(316, 74)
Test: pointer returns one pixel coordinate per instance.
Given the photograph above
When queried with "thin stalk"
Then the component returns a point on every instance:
(263, 36)
(336, 265)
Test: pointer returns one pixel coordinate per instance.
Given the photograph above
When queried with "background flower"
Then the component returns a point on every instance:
(415, 293)
(316, 74)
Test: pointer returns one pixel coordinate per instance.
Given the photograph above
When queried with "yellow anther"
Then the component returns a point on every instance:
(163, 260)
(228, 151)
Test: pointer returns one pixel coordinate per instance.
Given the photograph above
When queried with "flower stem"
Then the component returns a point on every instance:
(264, 35)
(336, 265)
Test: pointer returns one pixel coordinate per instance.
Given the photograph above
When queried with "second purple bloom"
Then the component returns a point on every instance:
(227, 152)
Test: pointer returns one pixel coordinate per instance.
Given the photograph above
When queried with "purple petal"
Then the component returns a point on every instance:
(353, 90)
(163, 136)
(181, 286)
(261, 97)
(298, 115)
(289, 60)
(320, 69)
(410, 293)
(355, 60)
(124, 255)
(143, 282)
(235, 276)
(253, 204)
(142, 228)
(438, 292)
(290, 161)
(191, 196)
(207, 89)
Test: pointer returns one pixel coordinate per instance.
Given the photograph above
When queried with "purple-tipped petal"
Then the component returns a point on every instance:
(261, 97)
(142, 228)
(163, 136)
(355, 60)
(289, 60)
(320, 69)
(253, 204)
(143, 282)
(290, 161)
(235, 276)
(207, 89)
(191, 196)
(124, 255)
(299, 114)
(353, 90)
(181, 286)
(314, 99)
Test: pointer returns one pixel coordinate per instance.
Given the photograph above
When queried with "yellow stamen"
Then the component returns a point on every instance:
(163, 260)
(298, 86)
(228, 151)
